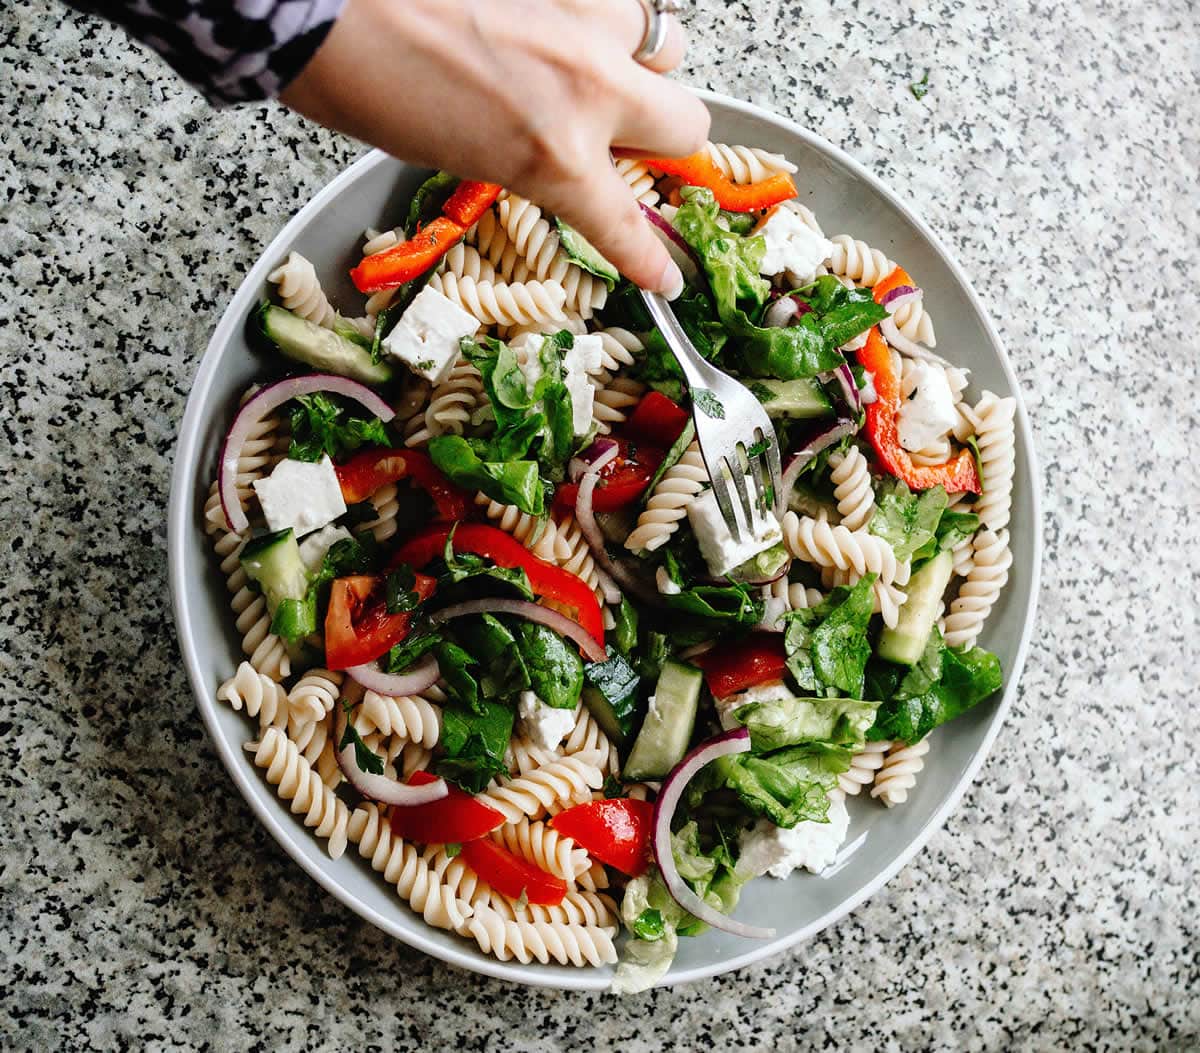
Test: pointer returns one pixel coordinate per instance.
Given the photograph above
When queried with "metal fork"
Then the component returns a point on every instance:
(735, 434)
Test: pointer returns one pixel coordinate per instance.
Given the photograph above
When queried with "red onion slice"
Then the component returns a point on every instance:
(681, 252)
(838, 430)
(896, 298)
(263, 402)
(534, 612)
(379, 787)
(593, 458)
(423, 674)
(901, 343)
(736, 741)
(594, 536)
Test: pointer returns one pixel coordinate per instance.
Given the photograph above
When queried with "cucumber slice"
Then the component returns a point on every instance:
(667, 730)
(273, 560)
(583, 253)
(802, 399)
(322, 349)
(906, 642)
(611, 694)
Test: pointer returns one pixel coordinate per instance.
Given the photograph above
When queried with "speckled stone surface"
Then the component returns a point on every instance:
(141, 906)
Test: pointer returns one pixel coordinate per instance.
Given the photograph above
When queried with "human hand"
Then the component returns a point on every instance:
(531, 94)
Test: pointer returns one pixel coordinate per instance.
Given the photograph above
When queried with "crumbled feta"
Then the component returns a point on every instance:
(302, 495)
(314, 547)
(929, 415)
(427, 337)
(582, 359)
(665, 585)
(771, 849)
(544, 725)
(717, 545)
(792, 245)
(772, 692)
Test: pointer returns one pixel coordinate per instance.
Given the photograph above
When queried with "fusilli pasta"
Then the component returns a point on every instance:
(863, 766)
(408, 717)
(568, 780)
(539, 534)
(898, 773)
(995, 434)
(747, 164)
(857, 260)
(451, 404)
(504, 303)
(300, 291)
(667, 506)
(577, 945)
(991, 558)
(852, 488)
(544, 847)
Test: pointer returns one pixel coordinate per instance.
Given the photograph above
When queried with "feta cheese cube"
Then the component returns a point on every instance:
(929, 415)
(544, 725)
(770, 692)
(717, 545)
(302, 495)
(314, 547)
(580, 362)
(427, 336)
(792, 245)
(771, 849)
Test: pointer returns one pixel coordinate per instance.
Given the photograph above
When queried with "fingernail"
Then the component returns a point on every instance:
(670, 282)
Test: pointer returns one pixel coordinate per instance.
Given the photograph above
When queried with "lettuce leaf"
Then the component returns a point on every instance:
(555, 668)
(474, 742)
(967, 678)
(952, 528)
(907, 521)
(783, 722)
(509, 482)
(788, 786)
(827, 645)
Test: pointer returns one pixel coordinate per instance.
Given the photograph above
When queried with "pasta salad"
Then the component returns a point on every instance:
(498, 639)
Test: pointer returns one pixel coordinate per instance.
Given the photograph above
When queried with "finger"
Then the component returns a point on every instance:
(603, 210)
(659, 118)
(629, 22)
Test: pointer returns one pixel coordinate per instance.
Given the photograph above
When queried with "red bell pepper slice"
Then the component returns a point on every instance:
(758, 659)
(409, 259)
(454, 818)
(548, 581)
(511, 875)
(699, 170)
(366, 472)
(898, 277)
(622, 481)
(616, 832)
(958, 475)
(658, 420)
(469, 201)
(358, 627)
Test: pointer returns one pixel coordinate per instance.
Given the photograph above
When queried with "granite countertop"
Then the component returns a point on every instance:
(1057, 151)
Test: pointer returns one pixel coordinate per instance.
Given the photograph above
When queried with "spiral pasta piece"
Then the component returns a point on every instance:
(409, 717)
(852, 490)
(614, 401)
(863, 766)
(888, 596)
(504, 303)
(639, 178)
(858, 261)
(995, 434)
(567, 944)
(618, 348)
(566, 781)
(898, 773)
(465, 261)
(402, 865)
(314, 694)
(747, 164)
(539, 534)
(265, 446)
(914, 322)
(538, 843)
(588, 737)
(450, 406)
(295, 780)
(578, 907)
(261, 696)
(300, 291)
(978, 593)
(578, 559)
(491, 239)
(667, 506)
(386, 503)
(522, 755)
(837, 547)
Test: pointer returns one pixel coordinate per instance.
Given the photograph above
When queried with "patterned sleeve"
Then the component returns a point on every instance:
(231, 50)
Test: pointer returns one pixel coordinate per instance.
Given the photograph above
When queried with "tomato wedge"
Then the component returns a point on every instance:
(757, 659)
(616, 832)
(366, 472)
(548, 581)
(622, 481)
(657, 420)
(511, 875)
(454, 818)
(358, 627)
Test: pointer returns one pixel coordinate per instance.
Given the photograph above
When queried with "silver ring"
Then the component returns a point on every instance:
(657, 27)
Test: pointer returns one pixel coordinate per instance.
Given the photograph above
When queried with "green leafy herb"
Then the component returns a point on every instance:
(555, 668)
(509, 482)
(655, 649)
(495, 649)
(452, 849)
(952, 528)
(927, 672)
(427, 202)
(827, 645)
(403, 655)
(968, 677)
(905, 520)
(920, 88)
(320, 427)
(708, 403)
(788, 786)
(625, 631)
(459, 683)
(464, 566)
(733, 603)
(364, 758)
(474, 742)
(399, 589)
(757, 449)
(649, 925)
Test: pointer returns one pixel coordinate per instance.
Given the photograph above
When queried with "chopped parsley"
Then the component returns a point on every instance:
(920, 88)
(364, 757)
(708, 403)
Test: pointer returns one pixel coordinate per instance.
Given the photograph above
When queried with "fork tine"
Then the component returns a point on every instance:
(739, 481)
(720, 485)
(756, 471)
(775, 470)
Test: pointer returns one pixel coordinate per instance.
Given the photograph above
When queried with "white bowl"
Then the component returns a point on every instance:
(846, 198)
